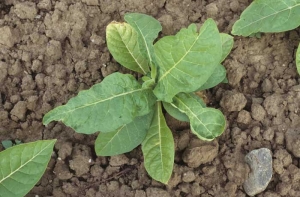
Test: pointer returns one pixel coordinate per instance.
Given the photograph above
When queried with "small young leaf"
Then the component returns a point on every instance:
(298, 59)
(122, 43)
(217, 77)
(158, 148)
(106, 106)
(175, 112)
(22, 166)
(227, 44)
(187, 59)
(147, 28)
(268, 16)
(124, 139)
(206, 123)
(7, 144)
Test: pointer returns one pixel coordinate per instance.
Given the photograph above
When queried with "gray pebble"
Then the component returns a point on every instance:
(260, 162)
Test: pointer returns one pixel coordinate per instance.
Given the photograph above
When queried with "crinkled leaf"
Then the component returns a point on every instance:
(268, 16)
(106, 106)
(122, 43)
(158, 148)
(187, 59)
(227, 44)
(124, 139)
(175, 112)
(217, 77)
(147, 28)
(298, 59)
(207, 123)
(22, 166)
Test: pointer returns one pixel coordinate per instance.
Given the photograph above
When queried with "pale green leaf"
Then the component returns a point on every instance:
(122, 43)
(298, 59)
(106, 106)
(217, 77)
(175, 112)
(158, 148)
(187, 59)
(147, 28)
(207, 123)
(268, 16)
(227, 44)
(22, 166)
(124, 139)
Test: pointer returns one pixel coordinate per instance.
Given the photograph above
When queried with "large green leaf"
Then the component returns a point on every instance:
(227, 44)
(217, 77)
(124, 139)
(175, 112)
(298, 59)
(207, 123)
(122, 43)
(268, 16)
(106, 106)
(22, 166)
(147, 28)
(187, 59)
(158, 148)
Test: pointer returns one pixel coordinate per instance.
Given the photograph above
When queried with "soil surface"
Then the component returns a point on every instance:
(52, 49)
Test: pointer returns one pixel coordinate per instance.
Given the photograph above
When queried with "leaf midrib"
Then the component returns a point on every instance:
(21, 166)
(288, 8)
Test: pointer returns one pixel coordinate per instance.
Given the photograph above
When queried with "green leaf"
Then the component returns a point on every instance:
(175, 112)
(227, 44)
(7, 144)
(122, 43)
(158, 148)
(217, 77)
(147, 28)
(298, 59)
(187, 59)
(268, 16)
(206, 123)
(124, 139)
(22, 166)
(106, 106)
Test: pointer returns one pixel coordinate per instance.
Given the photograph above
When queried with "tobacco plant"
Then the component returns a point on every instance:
(269, 16)
(128, 112)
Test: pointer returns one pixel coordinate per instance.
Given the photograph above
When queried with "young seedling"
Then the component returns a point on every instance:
(269, 16)
(128, 112)
(22, 166)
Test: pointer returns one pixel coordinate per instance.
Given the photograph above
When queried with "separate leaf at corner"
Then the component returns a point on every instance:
(147, 28)
(106, 106)
(217, 77)
(158, 148)
(207, 123)
(187, 59)
(227, 44)
(22, 166)
(298, 59)
(268, 16)
(122, 43)
(124, 139)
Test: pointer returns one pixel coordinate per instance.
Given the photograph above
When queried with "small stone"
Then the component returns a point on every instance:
(9, 36)
(211, 10)
(188, 176)
(19, 110)
(26, 10)
(54, 50)
(91, 2)
(118, 160)
(258, 112)
(260, 162)
(44, 4)
(155, 192)
(244, 117)
(232, 101)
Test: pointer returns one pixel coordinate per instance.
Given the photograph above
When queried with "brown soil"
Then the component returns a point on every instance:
(52, 49)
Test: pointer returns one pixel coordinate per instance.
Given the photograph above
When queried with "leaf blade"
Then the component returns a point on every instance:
(122, 43)
(124, 139)
(268, 16)
(227, 44)
(106, 106)
(187, 59)
(298, 59)
(158, 148)
(207, 123)
(30, 159)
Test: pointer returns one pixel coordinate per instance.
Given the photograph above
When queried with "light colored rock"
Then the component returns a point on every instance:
(26, 10)
(260, 162)
(292, 138)
(8, 37)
